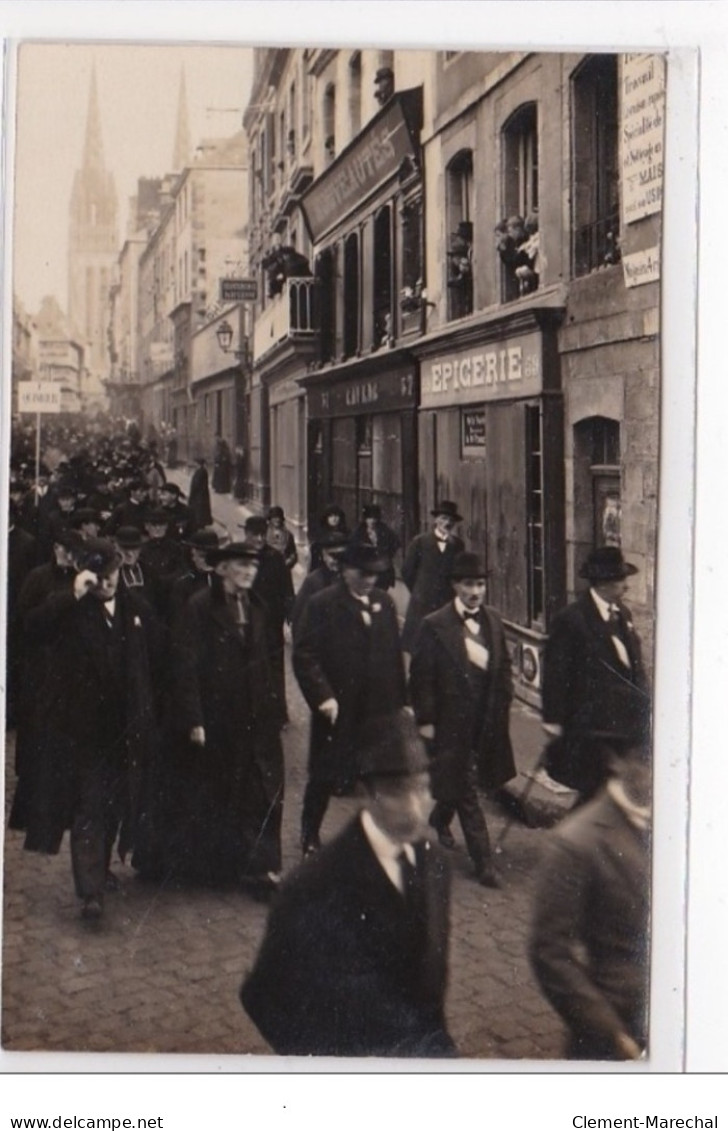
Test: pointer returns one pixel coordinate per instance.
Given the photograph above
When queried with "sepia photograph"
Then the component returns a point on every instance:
(333, 480)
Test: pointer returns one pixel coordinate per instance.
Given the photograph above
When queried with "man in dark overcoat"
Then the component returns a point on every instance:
(354, 959)
(426, 569)
(589, 939)
(373, 531)
(22, 557)
(224, 756)
(198, 498)
(100, 715)
(332, 547)
(199, 575)
(461, 688)
(274, 585)
(593, 677)
(348, 662)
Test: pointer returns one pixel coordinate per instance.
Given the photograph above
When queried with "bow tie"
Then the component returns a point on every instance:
(472, 616)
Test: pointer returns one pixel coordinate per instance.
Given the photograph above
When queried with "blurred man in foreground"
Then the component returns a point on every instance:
(354, 960)
(589, 941)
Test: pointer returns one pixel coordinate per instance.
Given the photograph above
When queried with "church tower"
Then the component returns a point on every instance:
(181, 156)
(93, 246)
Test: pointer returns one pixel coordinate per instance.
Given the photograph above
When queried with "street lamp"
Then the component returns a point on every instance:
(224, 335)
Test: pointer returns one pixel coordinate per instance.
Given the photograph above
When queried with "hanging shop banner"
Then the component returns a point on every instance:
(496, 371)
(642, 135)
(374, 157)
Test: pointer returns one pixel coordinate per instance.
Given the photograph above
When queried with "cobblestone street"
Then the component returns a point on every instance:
(162, 972)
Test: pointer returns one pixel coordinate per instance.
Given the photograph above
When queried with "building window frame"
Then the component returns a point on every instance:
(517, 234)
(595, 172)
(459, 256)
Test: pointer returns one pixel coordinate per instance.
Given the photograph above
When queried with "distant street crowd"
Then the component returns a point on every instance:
(146, 687)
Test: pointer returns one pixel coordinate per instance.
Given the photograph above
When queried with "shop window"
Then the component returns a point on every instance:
(355, 94)
(460, 235)
(597, 485)
(534, 513)
(325, 269)
(363, 456)
(382, 278)
(595, 164)
(411, 296)
(517, 235)
(351, 295)
(329, 123)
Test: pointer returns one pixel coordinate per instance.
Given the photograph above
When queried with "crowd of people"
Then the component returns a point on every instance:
(146, 687)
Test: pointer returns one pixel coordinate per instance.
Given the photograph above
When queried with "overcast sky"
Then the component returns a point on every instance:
(138, 90)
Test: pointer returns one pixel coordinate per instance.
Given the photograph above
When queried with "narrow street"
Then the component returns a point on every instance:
(162, 972)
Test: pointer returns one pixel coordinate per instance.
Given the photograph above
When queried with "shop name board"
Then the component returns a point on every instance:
(641, 267)
(39, 396)
(511, 369)
(642, 135)
(238, 290)
(374, 394)
(375, 157)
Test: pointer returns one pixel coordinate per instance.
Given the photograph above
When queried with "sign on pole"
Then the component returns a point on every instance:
(39, 396)
(238, 290)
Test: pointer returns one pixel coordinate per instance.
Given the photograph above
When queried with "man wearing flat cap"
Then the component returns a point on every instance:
(426, 569)
(594, 678)
(100, 712)
(354, 959)
(461, 688)
(348, 662)
(589, 939)
(225, 761)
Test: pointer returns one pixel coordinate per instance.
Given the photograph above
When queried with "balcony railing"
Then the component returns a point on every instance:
(292, 314)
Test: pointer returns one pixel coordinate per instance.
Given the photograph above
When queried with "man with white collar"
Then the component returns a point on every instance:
(461, 689)
(426, 568)
(594, 678)
(354, 960)
(589, 938)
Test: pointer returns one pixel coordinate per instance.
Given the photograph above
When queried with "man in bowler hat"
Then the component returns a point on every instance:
(426, 569)
(354, 959)
(348, 661)
(461, 688)
(594, 678)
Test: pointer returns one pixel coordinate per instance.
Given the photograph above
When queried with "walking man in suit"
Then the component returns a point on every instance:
(594, 679)
(426, 569)
(348, 661)
(354, 959)
(461, 688)
(589, 936)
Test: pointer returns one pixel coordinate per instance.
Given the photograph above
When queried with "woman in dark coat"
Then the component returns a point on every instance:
(224, 770)
(222, 468)
(198, 497)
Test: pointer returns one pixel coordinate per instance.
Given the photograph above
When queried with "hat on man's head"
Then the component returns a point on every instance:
(468, 565)
(372, 510)
(173, 489)
(128, 537)
(68, 538)
(83, 516)
(137, 485)
(390, 746)
(623, 740)
(99, 555)
(276, 512)
(156, 517)
(234, 551)
(366, 558)
(204, 539)
(606, 563)
(65, 489)
(448, 508)
(333, 541)
(255, 524)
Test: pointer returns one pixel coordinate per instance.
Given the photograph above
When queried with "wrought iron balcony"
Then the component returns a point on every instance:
(290, 315)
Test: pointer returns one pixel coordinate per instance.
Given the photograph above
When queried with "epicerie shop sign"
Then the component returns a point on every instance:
(39, 396)
(496, 372)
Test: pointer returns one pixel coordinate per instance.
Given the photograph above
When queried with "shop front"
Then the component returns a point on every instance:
(491, 438)
(362, 444)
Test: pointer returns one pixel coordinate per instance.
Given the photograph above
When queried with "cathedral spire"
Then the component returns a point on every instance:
(181, 156)
(93, 149)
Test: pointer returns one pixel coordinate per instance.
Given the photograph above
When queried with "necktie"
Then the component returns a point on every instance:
(241, 612)
(411, 885)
